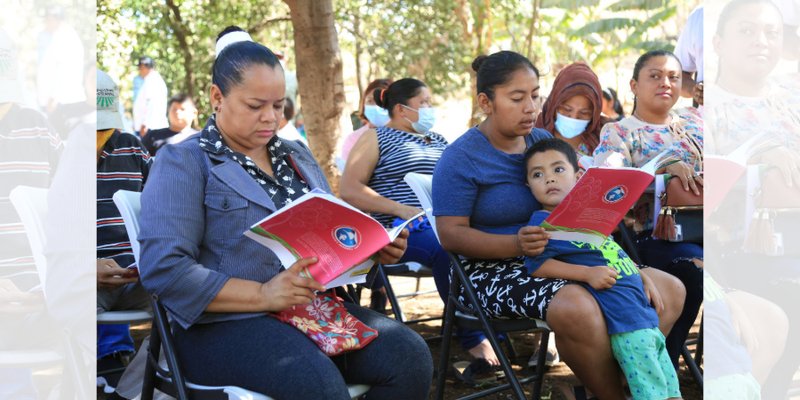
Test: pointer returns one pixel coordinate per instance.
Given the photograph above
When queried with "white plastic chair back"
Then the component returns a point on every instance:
(129, 205)
(422, 185)
(31, 205)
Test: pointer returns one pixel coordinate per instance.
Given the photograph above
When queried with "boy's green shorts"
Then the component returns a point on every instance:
(643, 357)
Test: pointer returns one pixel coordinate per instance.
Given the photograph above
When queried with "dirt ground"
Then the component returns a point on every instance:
(558, 379)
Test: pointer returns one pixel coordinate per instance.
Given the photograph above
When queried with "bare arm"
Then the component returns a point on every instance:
(457, 236)
(284, 290)
(359, 169)
(687, 84)
(287, 288)
(599, 277)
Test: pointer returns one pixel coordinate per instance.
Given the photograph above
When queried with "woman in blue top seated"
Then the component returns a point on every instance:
(483, 204)
(219, 286)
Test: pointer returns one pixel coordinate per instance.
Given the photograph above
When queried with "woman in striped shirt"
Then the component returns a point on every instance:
(373, 181)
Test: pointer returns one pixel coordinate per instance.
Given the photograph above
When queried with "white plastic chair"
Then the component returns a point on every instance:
(129, 204)
(422, 186)
(31, 206)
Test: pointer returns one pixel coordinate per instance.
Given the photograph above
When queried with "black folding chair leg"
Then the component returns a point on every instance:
(541, 367)
(153, 352)
(491, 335)
(398, 313)
(447, 336)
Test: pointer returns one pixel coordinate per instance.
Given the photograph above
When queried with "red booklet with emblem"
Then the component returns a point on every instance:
(600, 199)
(343, 238)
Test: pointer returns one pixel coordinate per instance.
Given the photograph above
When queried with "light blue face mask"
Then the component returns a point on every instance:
(427, 118)
(378, 116)
(570, 127)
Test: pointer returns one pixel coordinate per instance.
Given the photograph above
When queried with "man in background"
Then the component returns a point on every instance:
(149, 109)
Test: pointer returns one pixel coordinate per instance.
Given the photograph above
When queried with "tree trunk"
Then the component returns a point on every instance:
(319, 78)
(182, 32)
(357, 36)
(480, 33)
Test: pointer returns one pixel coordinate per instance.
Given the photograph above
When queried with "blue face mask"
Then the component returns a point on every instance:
(427, 118)
(570, 127)
(376, 115)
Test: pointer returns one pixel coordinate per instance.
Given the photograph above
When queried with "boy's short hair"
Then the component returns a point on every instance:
(553, 144)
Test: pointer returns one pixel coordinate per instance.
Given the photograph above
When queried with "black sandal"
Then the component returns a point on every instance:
(476, 373)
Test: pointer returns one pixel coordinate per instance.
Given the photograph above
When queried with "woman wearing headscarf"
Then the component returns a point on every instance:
(572, 111)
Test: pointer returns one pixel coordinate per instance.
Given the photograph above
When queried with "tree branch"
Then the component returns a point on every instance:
(267, 22)
(182, 33)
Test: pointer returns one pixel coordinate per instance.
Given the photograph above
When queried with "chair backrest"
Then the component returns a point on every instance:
(31, 205)
(422, 185)
(129, 205)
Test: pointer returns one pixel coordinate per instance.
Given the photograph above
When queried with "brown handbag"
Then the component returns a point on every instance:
(680, 208)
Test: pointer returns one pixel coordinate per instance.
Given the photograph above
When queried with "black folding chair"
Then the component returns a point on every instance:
(169, 380)
(404, 270)
(471, 316)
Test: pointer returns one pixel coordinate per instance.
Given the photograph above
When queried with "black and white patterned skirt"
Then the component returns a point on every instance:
(505, 290)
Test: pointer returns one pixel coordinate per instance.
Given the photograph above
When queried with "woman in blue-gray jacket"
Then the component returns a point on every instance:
(218, 285)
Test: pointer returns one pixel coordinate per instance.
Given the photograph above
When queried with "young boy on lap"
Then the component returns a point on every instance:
(606, 272)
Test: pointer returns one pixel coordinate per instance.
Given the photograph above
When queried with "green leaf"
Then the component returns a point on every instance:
(648, 45)
(627, 5)
(569, 4)
(604, 26)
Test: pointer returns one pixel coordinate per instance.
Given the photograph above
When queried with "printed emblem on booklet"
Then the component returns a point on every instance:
(616, 194)
(347, 237)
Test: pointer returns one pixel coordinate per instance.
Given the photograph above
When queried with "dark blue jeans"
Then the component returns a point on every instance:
(267, 356)
(424, 248)
(674, 259)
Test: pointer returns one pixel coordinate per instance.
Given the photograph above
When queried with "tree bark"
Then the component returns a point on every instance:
(182, 32)
(319, 78)
(479, 32)
(357, 36)
(265, 23)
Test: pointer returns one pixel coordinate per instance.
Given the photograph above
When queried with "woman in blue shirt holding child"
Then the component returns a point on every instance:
(483, 204)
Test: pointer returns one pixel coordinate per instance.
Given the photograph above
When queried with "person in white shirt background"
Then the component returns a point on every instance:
(790, 11)
(150, 107)
(689, 51)
(59, 78)
(286, 129)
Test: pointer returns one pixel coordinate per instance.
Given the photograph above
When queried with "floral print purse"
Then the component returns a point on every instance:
(328, 324)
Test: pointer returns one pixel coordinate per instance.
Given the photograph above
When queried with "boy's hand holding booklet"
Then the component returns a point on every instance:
(343, 238)
(598, 202)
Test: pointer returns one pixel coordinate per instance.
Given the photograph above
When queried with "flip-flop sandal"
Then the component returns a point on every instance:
(476, 373)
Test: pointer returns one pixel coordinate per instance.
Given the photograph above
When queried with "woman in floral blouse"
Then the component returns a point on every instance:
(653, 128)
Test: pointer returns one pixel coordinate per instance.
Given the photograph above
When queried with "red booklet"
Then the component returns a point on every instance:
(343, 238)
(598, 202)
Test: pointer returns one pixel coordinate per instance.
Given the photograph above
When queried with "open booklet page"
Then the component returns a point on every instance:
(598, 202)
(343, 238)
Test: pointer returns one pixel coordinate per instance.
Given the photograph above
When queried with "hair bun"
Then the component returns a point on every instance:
(478, 61)
(379, 95)
(229, 36)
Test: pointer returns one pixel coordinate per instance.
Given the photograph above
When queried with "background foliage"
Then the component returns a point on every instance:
(434, 40)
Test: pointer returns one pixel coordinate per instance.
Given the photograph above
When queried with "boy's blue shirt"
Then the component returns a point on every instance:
(624, 305)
